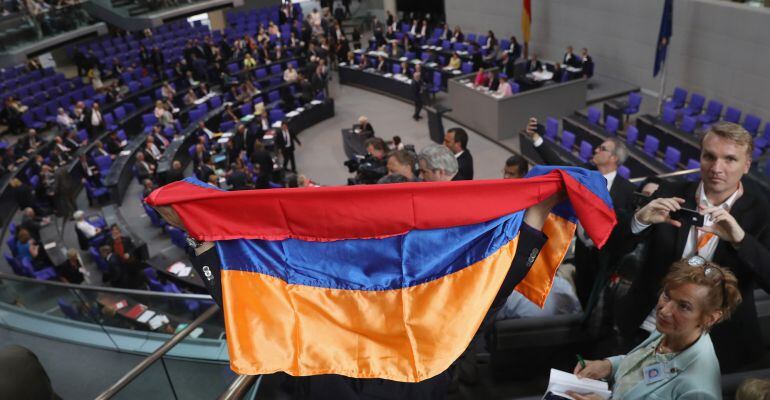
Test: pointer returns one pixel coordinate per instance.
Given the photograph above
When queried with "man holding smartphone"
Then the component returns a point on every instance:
(735, 233)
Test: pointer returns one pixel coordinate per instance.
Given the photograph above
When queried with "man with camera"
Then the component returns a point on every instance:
(373, 166)
(716, 219)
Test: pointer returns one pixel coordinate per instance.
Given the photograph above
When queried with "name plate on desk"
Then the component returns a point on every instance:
(276, 124)
(316, 102)
(292, 114)
(49, 245)
(388, 75)
(125, 153)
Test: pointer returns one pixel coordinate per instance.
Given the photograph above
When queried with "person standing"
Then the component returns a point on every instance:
(456, 140)
(285, 143)
(417, 94)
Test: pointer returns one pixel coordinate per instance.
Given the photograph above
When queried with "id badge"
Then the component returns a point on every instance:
(653, 373)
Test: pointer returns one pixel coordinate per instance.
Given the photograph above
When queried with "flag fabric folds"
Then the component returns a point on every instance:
(526, 19)
(383, 281)
(664, 37)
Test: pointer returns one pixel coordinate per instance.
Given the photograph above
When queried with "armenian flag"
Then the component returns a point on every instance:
(381, 281)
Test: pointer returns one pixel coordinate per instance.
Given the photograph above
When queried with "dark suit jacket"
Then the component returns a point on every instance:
(282, 144)
(465, 167)
(589, 261)
(530, 68)
(738, 340)
(30, 380)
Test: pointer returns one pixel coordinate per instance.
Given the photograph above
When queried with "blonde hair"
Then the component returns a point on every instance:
(753, 389)
(733, 132)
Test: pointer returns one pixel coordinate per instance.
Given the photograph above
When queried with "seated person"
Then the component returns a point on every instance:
(455, 62)
(381, 64)
(561, 300)
(504, 88)
(481, 78)
(365, 126)
(86, 228)
(677, 361)
(72, 270)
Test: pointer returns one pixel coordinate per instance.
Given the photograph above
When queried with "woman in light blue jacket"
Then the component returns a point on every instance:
(677, 361)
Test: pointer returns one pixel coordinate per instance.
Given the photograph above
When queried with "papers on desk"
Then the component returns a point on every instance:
(456, 72)
(247, 118)
(431, 64)
(123, 143)
(402, 59)
(342, 64)
(227, 134)
(416, 61)
(276, 125)
(135, 311)
(292, 114)
(120, 304)
(49, 245)
(299, 109)
(125, 153)
(316, 102)
(469, 84)
(158, 321)
(561, 382)
(146, 315)
(388, 75)
(223, 140)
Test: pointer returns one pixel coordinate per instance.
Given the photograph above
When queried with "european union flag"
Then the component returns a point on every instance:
(664, 38)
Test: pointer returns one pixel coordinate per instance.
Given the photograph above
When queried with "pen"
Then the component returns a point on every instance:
(581, 360)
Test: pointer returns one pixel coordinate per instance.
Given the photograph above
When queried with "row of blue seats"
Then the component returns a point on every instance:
(692, 114)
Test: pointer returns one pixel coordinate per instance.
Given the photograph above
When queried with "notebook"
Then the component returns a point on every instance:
(561, 382)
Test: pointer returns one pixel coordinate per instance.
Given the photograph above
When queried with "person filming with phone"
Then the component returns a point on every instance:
(717, 219)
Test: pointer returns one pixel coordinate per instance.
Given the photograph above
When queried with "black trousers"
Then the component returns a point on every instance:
(288, 156)
(417, 106)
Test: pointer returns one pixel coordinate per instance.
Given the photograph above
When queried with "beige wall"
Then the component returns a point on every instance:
(719, 49)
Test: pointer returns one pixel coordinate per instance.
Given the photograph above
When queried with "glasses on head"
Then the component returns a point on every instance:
(711, 272)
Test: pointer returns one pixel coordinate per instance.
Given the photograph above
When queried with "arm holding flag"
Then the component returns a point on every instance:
(388, 281)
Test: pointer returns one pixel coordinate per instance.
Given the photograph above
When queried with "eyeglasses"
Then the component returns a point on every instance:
(711, 272)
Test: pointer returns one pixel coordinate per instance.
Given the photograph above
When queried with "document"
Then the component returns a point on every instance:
(145, 316)
(157, 321)
(175, 267)
(49, 245)
(561, 382)
(125, 153)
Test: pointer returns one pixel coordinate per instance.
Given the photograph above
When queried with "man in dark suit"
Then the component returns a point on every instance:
(144, 169)
(285, 140)
(262, 158)
(592, 264)
(736, 235)
(243, 139)
(456, 140)
(417, 94)
(533, 64)
(507, 66)
(206, 169)
(176, 173)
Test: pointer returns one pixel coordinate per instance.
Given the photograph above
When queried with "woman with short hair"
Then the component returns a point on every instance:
(677, 361)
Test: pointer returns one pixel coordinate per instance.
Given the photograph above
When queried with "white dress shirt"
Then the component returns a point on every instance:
(691, 247)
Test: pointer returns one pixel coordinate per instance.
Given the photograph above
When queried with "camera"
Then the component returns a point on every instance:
(368, 170)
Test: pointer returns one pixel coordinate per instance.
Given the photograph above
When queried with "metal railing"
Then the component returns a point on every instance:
(104, 289)
(241, 387)
(157, 354)
(667, 175)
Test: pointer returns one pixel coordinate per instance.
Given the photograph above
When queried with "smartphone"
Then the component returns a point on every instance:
(688, 217)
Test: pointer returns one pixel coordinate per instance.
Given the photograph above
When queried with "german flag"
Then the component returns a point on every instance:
(526, 19)
(383, 281)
